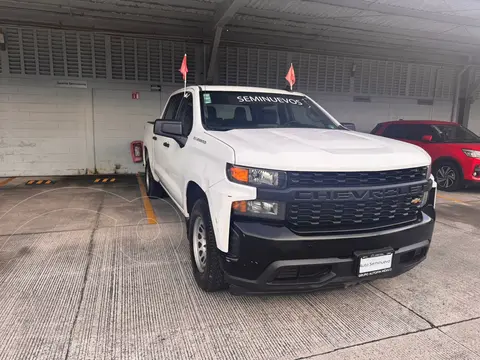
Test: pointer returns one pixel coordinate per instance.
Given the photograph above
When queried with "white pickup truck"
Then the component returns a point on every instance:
(278, 196)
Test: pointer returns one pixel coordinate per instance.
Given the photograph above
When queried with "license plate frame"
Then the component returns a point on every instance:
(370, 263)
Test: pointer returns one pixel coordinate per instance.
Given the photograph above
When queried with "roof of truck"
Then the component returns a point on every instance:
(245, 89)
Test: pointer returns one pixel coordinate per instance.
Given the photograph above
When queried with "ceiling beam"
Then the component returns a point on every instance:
(26, 18)
(322, 33)
(324, 24)
(342, 47)
(178, 6)
(225, 12)
(399, 11)
(214, 55)
(154, 15)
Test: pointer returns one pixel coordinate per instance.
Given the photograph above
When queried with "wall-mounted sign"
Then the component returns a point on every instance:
(155, 87)
(78, 84)
(135, 95)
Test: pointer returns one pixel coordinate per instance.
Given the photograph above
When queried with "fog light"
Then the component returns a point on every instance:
(269, 209)
(476, 171)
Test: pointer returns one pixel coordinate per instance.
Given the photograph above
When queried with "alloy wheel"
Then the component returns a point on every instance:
(199, 240)
(446, 176)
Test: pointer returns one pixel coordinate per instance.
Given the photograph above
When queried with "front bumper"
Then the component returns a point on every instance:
(272, 259)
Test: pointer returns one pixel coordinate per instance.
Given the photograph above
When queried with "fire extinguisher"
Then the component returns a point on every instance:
(136, 149)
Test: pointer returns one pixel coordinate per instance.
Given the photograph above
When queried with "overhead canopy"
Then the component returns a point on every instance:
(446, 27)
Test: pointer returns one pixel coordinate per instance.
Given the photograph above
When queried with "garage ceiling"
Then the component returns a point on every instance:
(444, 27)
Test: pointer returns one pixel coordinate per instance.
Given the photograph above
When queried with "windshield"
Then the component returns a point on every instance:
(456, 134)
(224, 110)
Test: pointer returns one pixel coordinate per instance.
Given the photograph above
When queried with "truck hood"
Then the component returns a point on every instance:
(320, 150)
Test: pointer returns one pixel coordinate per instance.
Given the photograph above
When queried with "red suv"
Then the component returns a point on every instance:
(454, 149)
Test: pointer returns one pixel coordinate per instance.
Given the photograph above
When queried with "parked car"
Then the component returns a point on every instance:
(454, 149)
(278, 197)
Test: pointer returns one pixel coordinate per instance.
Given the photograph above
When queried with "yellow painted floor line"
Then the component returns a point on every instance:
(152, 218)
(451, 199)
(5, 182)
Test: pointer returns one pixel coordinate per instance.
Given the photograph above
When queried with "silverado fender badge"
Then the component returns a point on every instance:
(199, 140)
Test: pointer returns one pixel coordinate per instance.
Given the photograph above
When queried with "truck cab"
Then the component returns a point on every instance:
(278, 196)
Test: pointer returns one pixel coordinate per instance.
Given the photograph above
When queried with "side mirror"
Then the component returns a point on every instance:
(171, 129)
(157, 126)
(350, 126)
(427, 138)
(168, 128)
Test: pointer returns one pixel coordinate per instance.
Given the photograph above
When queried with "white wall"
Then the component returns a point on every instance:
(366, 115)
(42, 129)
(118, 120)
(47, 130)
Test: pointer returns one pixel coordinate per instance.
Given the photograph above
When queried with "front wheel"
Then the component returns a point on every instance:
(204, 255)
(448, 176)
(154, 189)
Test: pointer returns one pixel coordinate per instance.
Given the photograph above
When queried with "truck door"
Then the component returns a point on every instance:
(178, 155)
(160, 149)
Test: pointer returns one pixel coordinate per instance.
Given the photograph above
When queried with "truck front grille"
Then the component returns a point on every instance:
(355, 179)
(347, 216)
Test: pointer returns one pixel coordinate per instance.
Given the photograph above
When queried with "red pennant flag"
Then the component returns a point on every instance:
(184, 68)
(291, 77)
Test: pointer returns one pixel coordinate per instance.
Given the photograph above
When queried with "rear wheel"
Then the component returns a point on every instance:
(204, 254)
(154, 189)
(448, 176)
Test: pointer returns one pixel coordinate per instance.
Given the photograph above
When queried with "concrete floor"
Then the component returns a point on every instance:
(83, 276)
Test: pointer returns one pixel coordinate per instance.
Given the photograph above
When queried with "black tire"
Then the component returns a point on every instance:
(448, 176)
(154, 189)
(211, 278)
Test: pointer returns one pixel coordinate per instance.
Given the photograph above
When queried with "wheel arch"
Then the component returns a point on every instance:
(443, 159)
(193, 192)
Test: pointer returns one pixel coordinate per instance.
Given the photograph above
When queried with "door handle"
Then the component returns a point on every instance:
(154, 138)
(166, 144)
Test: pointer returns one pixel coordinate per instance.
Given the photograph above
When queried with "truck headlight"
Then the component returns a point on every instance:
(429, 171)
(258, 208)
(256, 177)
(472, 153)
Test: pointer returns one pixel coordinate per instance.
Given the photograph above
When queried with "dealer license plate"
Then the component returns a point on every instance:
(374, 264)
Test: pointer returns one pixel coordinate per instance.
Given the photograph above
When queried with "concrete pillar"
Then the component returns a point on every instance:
(466, 96)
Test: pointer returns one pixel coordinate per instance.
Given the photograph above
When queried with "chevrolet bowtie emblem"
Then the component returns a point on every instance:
(416, 201)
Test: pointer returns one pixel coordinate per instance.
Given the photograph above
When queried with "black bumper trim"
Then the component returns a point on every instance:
(266, 250)
(278, 233)
(340, 275)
